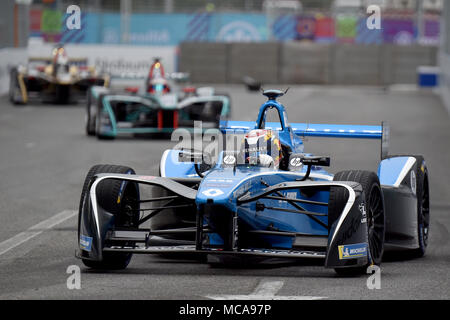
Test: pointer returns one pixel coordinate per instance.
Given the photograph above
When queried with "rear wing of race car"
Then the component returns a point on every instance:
(72, 61)
(380, 132)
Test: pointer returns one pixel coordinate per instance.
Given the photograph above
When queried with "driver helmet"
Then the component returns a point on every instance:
(60, 61)
(262, 147)
(59, 55)
(158, 85)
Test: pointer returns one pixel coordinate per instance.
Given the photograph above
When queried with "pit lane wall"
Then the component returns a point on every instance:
(304, 63)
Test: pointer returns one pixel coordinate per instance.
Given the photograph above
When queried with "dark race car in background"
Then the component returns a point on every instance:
(55, 79)
(156, 107)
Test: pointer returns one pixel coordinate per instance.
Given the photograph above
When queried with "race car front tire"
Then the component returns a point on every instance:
(98, 131)
(375, 214)
(90, 119)
(107, 194)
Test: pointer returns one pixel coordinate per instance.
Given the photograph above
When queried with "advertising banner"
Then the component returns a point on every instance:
(306, 28)
(172, 29)
(364, 35)
(431, 32)
(399, 31)
(325, 29)
(239, 27)
(346, 28)
(285, 27)
(51, 23)
(169, 29)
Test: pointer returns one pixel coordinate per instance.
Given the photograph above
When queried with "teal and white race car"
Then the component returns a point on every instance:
(153, 108)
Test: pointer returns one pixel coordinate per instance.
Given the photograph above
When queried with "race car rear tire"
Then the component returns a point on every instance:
(423, 204)
(107, 194)
(13, 87)
(375, 213)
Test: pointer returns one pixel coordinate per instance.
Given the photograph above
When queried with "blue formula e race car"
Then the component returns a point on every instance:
(265, 198)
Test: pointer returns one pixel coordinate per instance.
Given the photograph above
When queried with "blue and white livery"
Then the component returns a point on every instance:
(235, 205)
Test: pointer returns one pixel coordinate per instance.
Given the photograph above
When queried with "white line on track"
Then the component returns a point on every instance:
(35, 230)
(266, 290)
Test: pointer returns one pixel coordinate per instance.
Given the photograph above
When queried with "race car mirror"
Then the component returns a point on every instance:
(316, 161)
(179, 76)
(205, 91)
(298, 160)
(189, 156)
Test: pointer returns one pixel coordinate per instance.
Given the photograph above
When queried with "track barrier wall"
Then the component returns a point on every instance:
(304, 63)
(270, 62)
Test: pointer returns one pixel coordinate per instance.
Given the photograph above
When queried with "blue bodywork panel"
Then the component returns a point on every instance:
(390, 169)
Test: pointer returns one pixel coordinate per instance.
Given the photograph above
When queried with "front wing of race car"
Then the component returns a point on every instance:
(345, 245)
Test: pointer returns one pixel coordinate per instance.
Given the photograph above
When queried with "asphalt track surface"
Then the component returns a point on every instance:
(45, 155)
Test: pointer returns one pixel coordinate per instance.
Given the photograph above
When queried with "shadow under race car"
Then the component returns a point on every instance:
(157, 107)
(298, 210)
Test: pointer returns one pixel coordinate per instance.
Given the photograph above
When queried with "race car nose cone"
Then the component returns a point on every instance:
(216, 189)
(212, 192)
(212, 195)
